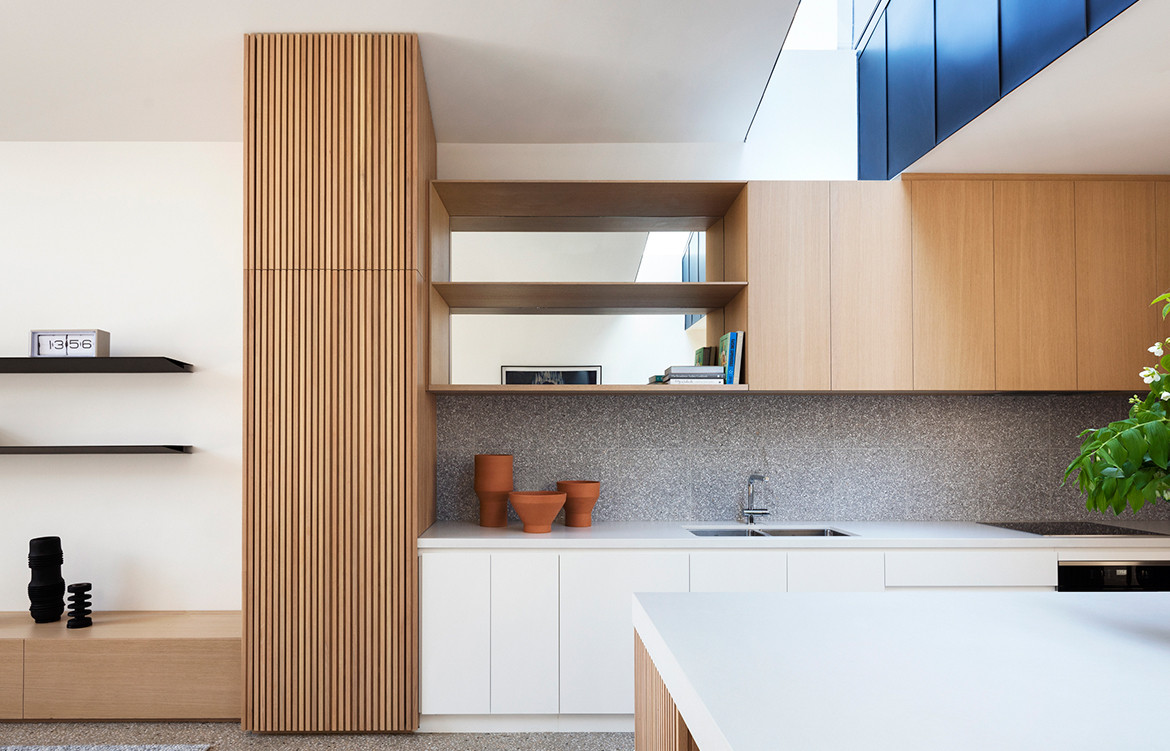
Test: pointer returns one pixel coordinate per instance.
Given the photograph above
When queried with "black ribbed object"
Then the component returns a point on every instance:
(46, 590)
(79, 605)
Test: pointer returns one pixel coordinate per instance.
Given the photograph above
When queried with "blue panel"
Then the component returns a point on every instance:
(1102, 12)
(966, 61)
(910, 84)
(871, 106)
(1034, 33)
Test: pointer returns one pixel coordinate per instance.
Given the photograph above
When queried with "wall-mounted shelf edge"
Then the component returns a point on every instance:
(93, 365)
(593, 298)
(619, 388)
(121, 449)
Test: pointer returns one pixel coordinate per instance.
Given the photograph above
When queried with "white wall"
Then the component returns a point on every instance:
(806, 129)
(142, 240)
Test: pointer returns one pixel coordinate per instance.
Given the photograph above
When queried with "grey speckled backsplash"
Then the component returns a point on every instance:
(828, 457)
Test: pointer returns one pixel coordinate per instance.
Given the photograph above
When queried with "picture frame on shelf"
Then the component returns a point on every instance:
(537, 375)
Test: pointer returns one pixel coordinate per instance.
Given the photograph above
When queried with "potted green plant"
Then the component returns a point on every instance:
(1127, 463)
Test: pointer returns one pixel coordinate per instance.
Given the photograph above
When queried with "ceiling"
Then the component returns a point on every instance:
(1102, 108)
(498, 71)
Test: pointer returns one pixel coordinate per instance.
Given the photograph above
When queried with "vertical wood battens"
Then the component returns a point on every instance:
(335, 404)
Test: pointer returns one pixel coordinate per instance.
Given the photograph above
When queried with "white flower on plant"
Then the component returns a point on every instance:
(1149, 375)
(1164, 395)
(1157, 349)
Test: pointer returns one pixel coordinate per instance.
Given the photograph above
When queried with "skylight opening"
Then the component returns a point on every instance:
(815, 26)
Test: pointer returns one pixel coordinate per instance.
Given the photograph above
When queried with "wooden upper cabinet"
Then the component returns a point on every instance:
(954, 308)
(786, 247)
(1035, 286)
(1116, 266)
(871, 313)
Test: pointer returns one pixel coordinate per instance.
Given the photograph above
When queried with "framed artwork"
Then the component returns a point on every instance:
(576, 375)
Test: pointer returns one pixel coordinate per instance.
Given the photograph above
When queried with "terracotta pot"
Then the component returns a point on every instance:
(580, 496)
(537, 508)
(493, 482)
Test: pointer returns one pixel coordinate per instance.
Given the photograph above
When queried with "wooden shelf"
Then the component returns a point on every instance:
(600, 298)
(619, 388)
(486, 206)
(152, 449)
(93, 365)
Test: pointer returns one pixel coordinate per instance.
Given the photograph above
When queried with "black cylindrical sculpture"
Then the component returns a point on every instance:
(46, 590)
(79, 605)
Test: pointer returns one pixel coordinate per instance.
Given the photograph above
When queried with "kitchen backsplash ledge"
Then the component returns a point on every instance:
(913, 457)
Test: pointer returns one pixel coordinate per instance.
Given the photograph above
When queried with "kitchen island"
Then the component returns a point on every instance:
(904, 670)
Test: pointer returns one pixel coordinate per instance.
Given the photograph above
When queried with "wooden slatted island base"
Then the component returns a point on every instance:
(130, 665)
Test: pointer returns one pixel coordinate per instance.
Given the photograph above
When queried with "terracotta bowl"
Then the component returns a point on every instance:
(580, 496)
(537, 508)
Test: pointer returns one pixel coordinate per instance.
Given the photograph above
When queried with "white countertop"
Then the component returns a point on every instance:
(446, 535)
(912, 671)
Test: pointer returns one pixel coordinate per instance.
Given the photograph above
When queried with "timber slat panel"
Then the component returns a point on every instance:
(658, 726)
(339, 428)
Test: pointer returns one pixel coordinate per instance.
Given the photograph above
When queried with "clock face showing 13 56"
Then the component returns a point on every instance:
(82, 344)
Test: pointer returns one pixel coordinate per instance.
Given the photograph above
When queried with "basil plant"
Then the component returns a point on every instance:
(1127, 463)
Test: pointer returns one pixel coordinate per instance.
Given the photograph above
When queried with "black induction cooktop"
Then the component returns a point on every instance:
(1071, 529)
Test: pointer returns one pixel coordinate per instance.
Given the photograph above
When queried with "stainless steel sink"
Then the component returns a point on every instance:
(767, 532)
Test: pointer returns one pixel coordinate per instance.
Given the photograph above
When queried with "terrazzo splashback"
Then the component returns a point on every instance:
(827, 457)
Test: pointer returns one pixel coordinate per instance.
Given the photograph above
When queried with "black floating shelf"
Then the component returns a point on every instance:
(93, 365)
(95, 449)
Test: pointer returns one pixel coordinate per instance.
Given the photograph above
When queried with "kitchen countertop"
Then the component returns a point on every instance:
(865, 534)
(910, 671)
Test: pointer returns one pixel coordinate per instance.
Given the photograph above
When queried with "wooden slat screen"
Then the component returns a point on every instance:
(658, 726)
(339, 430)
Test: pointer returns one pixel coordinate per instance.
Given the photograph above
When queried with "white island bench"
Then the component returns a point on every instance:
(908, 671)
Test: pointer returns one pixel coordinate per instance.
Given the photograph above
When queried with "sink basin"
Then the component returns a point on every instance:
(746, 531)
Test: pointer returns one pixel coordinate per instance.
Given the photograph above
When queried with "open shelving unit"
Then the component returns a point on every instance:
(544, 206)
(90, 449)
(590, 298)
(93, 365)
(46, 365)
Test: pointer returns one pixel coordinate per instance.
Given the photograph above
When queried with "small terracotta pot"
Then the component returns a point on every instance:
(493, 482)
(537, 508)
(580, 497)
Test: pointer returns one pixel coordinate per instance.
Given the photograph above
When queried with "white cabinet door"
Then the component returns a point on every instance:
(525, 639)
(971, 568)
(739, 571)
(455, 633)
(597, 632)
(836, 571)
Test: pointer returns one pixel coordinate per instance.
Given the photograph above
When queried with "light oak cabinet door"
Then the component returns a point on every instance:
(784, 253)
(597, 629)
(739, 571)
(11, 679)
(525, 644)
(954, 286)
(1116, 279)
(455, 633)
(871, 319)
(1035, 286)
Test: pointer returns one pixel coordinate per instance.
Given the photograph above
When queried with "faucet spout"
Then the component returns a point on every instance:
(748, 510)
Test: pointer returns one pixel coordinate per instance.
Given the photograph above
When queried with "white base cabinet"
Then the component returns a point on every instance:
(534, 634)
(525, 637)
(455, 633)
(597, 630)
(971, 568)
(836, 571)
(739, 571)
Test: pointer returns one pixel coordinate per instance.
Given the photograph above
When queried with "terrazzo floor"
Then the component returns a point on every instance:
(226, 736)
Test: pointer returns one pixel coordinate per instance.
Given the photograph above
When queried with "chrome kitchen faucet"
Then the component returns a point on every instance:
(748, 510)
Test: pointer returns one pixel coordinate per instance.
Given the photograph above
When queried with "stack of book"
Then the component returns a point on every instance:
(694, 375)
